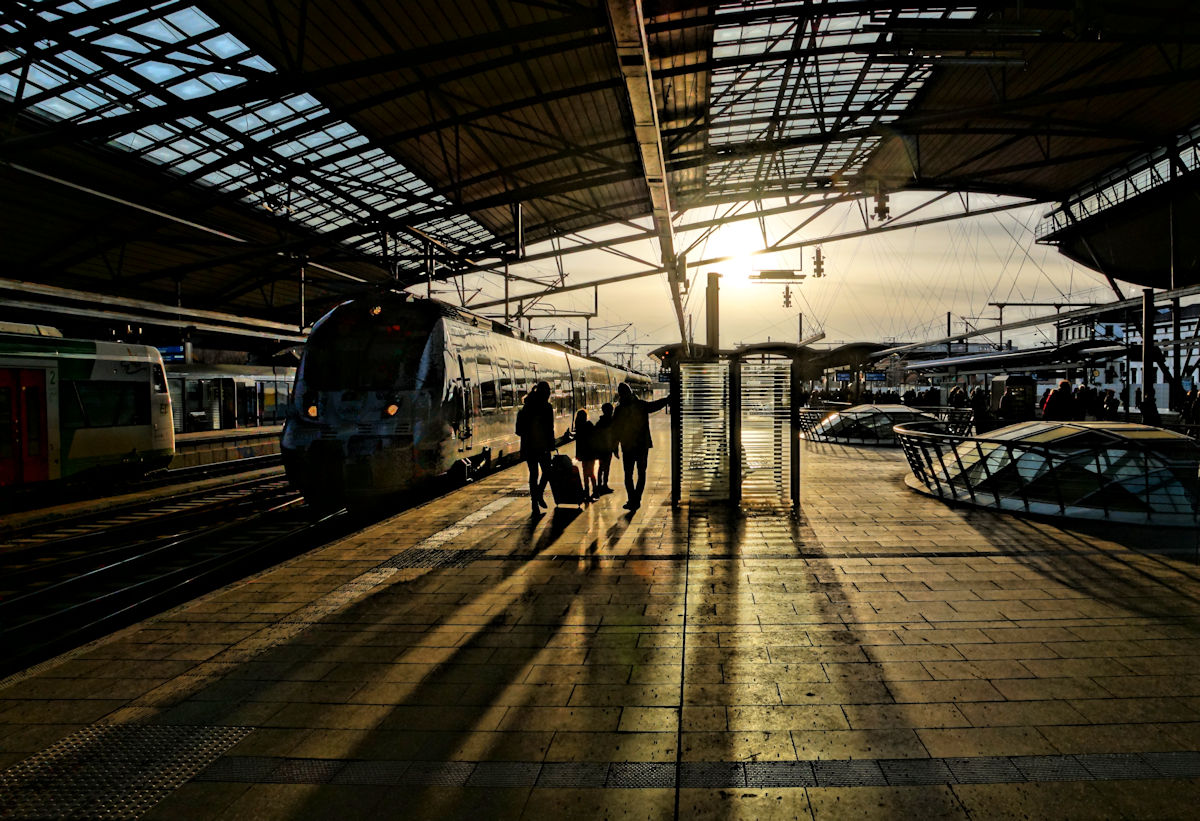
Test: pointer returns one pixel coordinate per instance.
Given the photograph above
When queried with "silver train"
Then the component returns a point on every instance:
(400, 389)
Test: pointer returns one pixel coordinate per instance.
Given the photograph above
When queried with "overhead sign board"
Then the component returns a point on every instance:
(845, 376)
(875, 376)
(172, 353)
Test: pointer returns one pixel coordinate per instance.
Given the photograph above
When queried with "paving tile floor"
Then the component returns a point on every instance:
(880, 655)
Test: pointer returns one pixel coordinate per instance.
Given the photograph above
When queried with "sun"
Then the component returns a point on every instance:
(734, 244)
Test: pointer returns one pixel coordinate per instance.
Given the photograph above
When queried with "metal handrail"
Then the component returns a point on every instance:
(943, 469)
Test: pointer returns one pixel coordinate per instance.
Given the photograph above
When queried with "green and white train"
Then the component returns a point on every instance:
(79, 409)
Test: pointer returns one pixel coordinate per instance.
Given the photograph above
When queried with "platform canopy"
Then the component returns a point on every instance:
(202, 153)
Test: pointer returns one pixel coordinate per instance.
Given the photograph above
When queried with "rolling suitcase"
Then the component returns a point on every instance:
(565, 483)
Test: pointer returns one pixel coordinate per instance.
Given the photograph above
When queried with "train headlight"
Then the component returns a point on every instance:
(392, 409)
(311, 411)
(376, 310)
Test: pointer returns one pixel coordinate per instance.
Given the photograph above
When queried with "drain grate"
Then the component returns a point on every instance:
(1117, 767)
(111, 771)
(914, 771)
(433, 558)
(780, 774)
(984, 770)
(438, 773)
(372, 772)
(628, 774)
(504, 774)
(1174, 765)
(1051, 768)
(241, 769)
(572, 774)
(712, 774)
(851, 773)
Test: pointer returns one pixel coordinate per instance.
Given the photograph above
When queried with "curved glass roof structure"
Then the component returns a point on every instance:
(1114, 470)
(870, 424)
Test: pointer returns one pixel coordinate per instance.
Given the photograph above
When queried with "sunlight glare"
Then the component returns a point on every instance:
(737, 241)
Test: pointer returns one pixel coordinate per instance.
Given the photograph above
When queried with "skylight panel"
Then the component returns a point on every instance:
(159, 30)
(157, 72)
(191, 22)
(66, 85)
(835, 86)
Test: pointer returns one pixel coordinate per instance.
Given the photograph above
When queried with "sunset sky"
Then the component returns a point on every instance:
(892, 286)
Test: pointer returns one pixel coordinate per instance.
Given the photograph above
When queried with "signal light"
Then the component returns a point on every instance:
(787, 296)
(392, 409)
(311, 411)
(882, 211)
(818, 264)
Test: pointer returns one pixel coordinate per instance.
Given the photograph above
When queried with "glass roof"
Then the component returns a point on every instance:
(826, 79)
(290, 156)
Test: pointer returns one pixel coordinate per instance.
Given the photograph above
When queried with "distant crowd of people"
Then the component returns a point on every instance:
(1065, 402)
(1069, 403)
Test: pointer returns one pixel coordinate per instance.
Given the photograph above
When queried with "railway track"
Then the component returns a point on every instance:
(132, 519)
(81, 581)
(62, 601)
(32, 497)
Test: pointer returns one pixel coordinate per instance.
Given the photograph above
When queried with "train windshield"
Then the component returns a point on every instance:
(353, 351)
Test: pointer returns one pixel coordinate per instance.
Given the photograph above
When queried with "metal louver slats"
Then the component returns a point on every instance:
(704, 418)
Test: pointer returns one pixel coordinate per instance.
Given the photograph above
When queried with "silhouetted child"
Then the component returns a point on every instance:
(585, 452)
(606, 445)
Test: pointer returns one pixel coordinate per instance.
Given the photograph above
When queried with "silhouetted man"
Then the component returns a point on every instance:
(631, 424)
(535, 426)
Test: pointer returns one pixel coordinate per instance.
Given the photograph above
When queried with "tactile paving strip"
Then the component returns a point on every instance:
(714, 774)
(711, 774)
(627, 774)
(780, 774)
(433, 558)
(111, 771)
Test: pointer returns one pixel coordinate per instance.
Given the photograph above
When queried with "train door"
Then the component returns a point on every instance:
(227, 404)
(24, 449)
(466, 428)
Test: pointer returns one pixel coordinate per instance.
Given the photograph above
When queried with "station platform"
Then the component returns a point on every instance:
(214, 446)
(883, 655)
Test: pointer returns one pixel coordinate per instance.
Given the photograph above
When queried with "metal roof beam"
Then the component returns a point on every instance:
(633, 57)
(1134, 304)
(773, 249)
(51, 292)
(273, 85)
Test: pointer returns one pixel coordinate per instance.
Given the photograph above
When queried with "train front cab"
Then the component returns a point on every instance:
(24, 427)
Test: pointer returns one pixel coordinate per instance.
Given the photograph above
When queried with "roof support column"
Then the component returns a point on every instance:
(629, 34)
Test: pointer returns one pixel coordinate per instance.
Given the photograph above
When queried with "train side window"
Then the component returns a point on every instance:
(488, 395)
(520, 385)
(267, 401)
(104, 404)
(505, 383)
